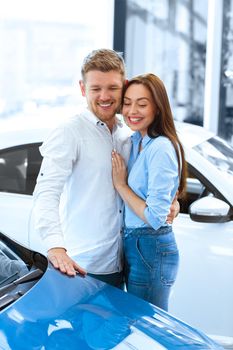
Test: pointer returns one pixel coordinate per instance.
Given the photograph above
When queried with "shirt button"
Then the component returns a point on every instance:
(120, 211)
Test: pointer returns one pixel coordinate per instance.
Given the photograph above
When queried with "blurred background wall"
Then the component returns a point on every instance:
(187, 43)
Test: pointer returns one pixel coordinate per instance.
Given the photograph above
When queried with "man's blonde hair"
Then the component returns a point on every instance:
(103, 60)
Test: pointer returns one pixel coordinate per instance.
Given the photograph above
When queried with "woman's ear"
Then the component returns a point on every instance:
(82, 88)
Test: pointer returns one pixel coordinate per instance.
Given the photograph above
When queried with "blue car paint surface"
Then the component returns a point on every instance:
(61, 312)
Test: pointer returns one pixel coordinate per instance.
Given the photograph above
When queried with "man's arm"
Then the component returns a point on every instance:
(58, 156)
(174, 210)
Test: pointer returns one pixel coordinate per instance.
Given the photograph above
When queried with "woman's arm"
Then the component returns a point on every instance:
(137, 204)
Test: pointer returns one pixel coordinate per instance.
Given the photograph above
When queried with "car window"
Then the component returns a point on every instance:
(219, 153)
(19, 167)
(196, 187)
(20, 269)
(11, 266)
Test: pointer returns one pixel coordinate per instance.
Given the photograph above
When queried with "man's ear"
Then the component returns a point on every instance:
(82, 87)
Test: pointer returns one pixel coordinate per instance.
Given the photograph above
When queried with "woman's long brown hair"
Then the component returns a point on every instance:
(163, 123)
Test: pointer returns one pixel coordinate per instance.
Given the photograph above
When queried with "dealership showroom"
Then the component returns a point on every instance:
(188, 44)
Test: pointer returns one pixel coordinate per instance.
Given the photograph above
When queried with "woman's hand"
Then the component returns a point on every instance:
(119, 172)
(119, 178)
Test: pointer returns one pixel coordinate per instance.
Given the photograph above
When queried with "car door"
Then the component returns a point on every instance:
(19, 167)
(202, 294)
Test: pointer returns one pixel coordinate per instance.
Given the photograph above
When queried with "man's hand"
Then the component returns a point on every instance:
(174, 210)
(61, 261)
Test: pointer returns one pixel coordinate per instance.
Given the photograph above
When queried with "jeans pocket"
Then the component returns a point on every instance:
(169, 264)
(146, 248)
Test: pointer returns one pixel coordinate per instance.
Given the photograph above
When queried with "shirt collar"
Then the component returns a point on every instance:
(96, 121)
(90, 116)
(137, 138)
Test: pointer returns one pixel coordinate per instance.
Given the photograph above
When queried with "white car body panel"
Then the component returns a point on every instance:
(20, 227)
(202, 294)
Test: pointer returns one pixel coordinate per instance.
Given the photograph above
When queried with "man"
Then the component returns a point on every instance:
(76, 175)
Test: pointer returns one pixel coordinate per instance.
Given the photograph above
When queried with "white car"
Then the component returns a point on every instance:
(203, 293)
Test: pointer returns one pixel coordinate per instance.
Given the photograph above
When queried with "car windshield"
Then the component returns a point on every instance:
(219, 153)
(11, 266)
(20, 269)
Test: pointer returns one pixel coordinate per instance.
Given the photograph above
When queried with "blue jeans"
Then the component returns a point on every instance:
(151, 263)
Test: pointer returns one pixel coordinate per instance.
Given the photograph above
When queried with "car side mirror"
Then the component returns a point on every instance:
(210, 209)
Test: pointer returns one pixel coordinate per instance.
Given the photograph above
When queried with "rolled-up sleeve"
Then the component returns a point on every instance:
(59, 153)
(162, 180)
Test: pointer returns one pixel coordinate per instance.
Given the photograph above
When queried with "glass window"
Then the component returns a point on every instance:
(168, 38)
(19, 270)
(42, 46)
(196, 187)
(19, 168)
(219, 153)
(11, 266)
(226, 81)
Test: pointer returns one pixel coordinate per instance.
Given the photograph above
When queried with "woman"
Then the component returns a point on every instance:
(156, 171)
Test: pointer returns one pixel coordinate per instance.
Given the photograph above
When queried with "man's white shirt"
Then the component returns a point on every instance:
(75, 203)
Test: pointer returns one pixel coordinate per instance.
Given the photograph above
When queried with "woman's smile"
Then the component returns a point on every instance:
(135, 120)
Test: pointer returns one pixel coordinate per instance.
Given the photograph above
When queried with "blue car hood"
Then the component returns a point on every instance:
(61, 312)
